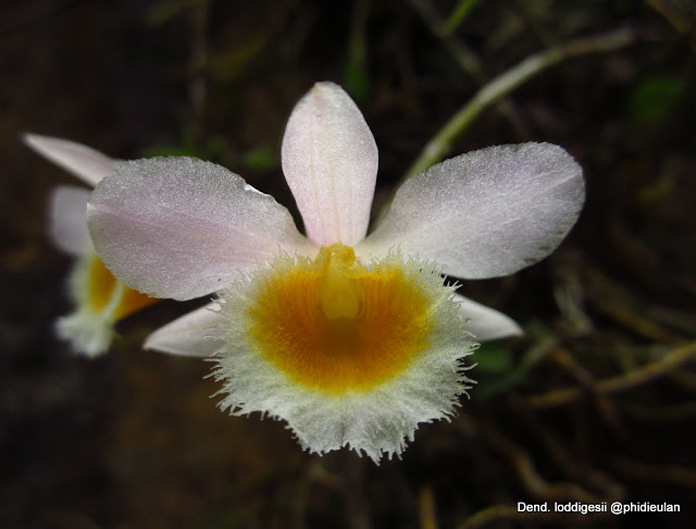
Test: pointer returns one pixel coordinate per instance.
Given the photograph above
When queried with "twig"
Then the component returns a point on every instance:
(498, 513)
(606, 407)
(634, 378)
(352, 487)
(198, 83)
(676, 412)
(426, 508)
(505, 83)
(530, 477)
(570, 464)
(623, 306)
(677, 475)
(466, 59)
(679, 18)
(492, 514)
(464, 7)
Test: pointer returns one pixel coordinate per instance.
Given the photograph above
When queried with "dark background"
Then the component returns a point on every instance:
(133, 439)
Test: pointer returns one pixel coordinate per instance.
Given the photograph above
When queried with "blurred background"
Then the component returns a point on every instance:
(595, 403)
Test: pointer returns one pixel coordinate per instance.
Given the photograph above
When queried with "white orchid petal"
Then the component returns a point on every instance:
(193, 334)
(84, 162)
(182, 228)
(484, 322)
(487, 213)
(68, 219)
(330, 162)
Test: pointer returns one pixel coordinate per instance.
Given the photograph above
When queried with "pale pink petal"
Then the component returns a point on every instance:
(68, 219)
(181, 228)
(486, 323)
(84, 162)
(194, 334)
(487, 213)
(330, 162)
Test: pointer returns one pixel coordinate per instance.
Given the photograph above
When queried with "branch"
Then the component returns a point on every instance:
(505, 83)
(634, 378)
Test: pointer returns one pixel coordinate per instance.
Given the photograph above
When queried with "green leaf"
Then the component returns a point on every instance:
(493, 357)
(260, 159)
(654, 98)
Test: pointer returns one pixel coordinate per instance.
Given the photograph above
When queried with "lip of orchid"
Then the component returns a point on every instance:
(181, 228)
(348, 353)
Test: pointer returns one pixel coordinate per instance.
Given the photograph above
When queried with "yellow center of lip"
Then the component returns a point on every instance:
(333, 324)
(103, 286)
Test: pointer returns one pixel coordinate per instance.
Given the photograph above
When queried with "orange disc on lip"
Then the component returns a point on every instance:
(335, 325)
(103, 286)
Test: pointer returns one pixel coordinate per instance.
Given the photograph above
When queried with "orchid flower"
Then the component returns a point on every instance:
(354, 340)
(100, 299)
